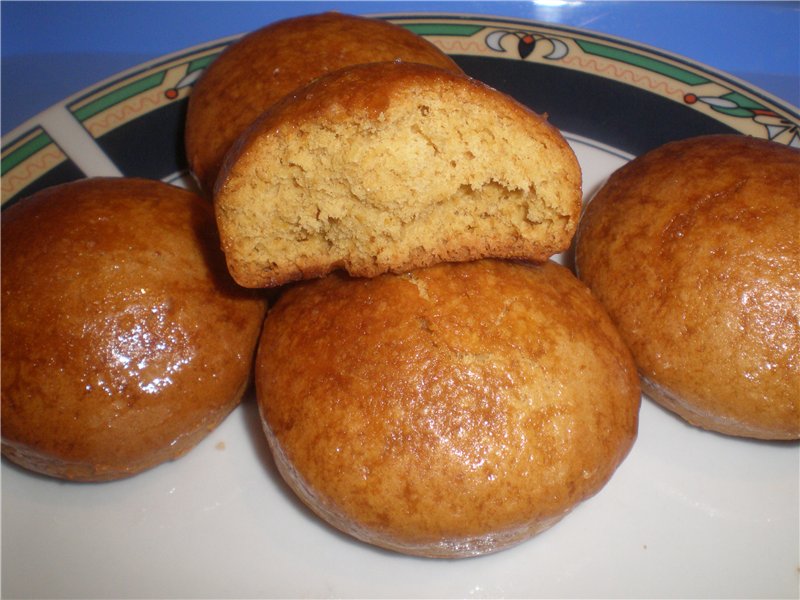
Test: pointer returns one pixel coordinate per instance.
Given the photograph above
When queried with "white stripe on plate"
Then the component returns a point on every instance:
(76, 142)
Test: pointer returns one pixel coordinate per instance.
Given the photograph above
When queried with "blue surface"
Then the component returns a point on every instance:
(51, 50)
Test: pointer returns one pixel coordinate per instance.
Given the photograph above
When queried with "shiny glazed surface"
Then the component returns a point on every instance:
(124, 340)
(449, 412)
(694, 249)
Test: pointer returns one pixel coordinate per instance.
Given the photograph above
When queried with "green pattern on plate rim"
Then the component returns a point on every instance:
(31, 151)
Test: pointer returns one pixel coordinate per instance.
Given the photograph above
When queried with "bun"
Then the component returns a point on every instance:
(388, 167)
(124, 340)
(448, 412)
(262, 67)
(694, 250)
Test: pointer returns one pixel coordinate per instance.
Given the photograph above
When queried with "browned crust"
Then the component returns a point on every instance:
(449, 412)
(694, 250)
(124, 339)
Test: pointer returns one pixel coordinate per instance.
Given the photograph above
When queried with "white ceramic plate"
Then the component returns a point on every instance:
(688, 514)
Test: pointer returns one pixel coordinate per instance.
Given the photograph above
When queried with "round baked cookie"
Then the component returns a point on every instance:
(694, 249)
(389, 167)
(262, 67)
(450, 412)
(124, 339)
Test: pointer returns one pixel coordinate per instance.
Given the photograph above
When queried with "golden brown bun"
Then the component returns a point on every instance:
(124, 340)
(694, 250)
(388, 167)
(264, 66)
(449, 412)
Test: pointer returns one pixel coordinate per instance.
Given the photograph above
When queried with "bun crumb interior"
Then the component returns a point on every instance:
(388, 167)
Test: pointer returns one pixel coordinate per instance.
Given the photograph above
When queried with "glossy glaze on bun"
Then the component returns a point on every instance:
(449, 412)
(124, 339)
(389, 167)
(262, 67)
(694, 249)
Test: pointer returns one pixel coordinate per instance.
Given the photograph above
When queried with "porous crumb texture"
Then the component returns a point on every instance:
(437, 167)
(269, 63)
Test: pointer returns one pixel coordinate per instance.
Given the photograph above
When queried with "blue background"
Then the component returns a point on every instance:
(51, 50)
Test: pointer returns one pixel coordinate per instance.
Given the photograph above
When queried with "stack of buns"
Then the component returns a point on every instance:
(419, 389)
(428, 380)
(370, 151)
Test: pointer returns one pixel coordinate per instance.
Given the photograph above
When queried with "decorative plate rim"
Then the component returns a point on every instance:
(36, 146)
